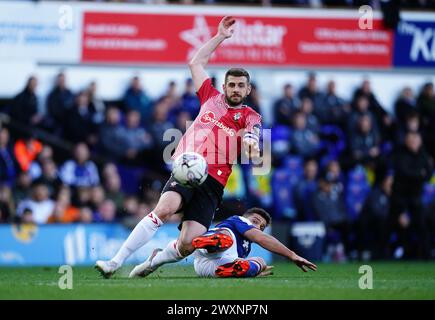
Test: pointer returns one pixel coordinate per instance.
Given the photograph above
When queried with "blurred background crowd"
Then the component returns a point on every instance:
(365, 173)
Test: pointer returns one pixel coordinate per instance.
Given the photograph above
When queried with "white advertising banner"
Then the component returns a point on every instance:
(39, 32)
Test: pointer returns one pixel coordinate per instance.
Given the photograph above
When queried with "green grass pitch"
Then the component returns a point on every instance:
(391, 280)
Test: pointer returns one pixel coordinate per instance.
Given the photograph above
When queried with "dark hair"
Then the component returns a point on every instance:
(237, 72)
(261, 212)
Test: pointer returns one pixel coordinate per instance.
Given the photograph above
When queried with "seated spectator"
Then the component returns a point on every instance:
(330, 208)
(253, 99)
(59, 102)
(129, 212)
(64, 211)
(39, 203)
(183, 120)
(332, 109)
(81, 116)
(404, 106)
(98, 195)
(86, 215)
(50, 177)
(21, 189)
(26, 150)
(311, 92)
(112, 187)
(383, 120)
(7, 207)
(9, 166)
(411, 124)
(111, 142)
(160, 124)
(304, 190)
(35, 168)
(304, 141)
(80, 171)
(135, 98)
(189, 100)
(106, 212)
(307, 108)
(364, 141)
(284, 107)
(372, 221)
(82, 197)
(135, 139)
(24, 107)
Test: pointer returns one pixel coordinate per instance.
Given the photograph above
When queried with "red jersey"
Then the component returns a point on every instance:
(217, 131)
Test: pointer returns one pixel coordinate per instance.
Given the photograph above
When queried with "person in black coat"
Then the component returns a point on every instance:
(412, 168)
(25, 105)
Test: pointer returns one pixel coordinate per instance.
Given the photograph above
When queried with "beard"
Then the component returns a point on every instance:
(234, 101)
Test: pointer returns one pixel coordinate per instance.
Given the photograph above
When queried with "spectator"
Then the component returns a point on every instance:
(39, 203)
(80, 171)
(329, 207)
(35, 168)
(360, 108)
(412, 168)
(111, 142)
(332, 109)
(183, 120)
(304, 141)
(22, 186)
(307, 108)
(136, 99)
(82, 197)
(426, 107)
(59, 102)
(98, 195)
(383, 119)
(112, 186)
(81, 116)
(9, 166)
(304, 190)
(253, 99)
(129, 212)
(64, 211)
(86, 215)
(189, 100)
(311, 92)
(411, 124)
(285, 106)
(25, 105)
(372, 222)
(50, 177)
(7, 207)
(106, 212)
(135, 139)
(96, 103)
(405, 105)
(364, 141)
(26, 150)
(160, 123)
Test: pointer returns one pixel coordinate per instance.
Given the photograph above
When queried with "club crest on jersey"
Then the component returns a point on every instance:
(237, 116)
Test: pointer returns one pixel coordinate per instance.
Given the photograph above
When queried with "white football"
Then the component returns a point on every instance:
(190, 169)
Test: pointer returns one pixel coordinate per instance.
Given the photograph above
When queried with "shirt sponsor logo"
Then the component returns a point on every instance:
(209, 117)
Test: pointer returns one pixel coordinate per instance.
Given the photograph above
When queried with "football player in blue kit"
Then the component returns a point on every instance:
(223, 251)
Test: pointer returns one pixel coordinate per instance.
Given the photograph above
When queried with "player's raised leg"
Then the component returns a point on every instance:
(168, 204)
(239, 268)
(214, 240)
(174, 251)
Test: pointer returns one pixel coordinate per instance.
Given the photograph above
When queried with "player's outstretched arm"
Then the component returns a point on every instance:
(201, 57)
(272, 244)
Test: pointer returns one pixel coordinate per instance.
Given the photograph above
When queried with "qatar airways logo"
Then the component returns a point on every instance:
(245, 35)
(209, 117)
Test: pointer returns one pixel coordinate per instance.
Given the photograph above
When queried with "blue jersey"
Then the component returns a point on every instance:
(239, 225)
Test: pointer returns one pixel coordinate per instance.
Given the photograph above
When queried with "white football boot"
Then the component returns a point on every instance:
(106, 268)
(144, 269)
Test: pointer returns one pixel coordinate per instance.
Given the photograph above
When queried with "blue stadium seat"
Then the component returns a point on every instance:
(282, 194)
(281, 140)
(357, 190)
(429, 191)
(130, 178)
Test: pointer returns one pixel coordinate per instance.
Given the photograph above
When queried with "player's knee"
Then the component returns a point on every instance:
(164, 210)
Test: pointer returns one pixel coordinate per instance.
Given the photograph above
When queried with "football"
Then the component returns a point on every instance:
(190, 169)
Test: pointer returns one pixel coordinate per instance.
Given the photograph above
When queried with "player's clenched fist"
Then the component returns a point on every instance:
(226, 26)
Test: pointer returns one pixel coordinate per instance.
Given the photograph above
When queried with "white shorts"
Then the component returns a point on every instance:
(205, 263)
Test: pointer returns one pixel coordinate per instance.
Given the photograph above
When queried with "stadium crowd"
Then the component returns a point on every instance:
(365, 173)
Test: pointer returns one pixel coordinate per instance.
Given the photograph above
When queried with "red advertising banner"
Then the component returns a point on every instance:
(270, 41)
